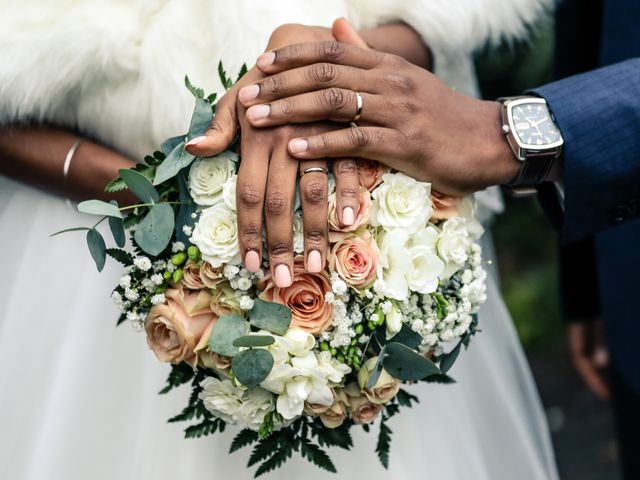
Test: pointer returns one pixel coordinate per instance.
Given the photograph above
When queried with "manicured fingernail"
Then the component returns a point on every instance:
(283, 277)
(258, 112)
(347, 216)
(298, 145)
(195, 141)
(246, 94)
(252, 261)
(266, 59)
(314, 261)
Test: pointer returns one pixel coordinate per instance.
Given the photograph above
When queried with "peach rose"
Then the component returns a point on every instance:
(361, 217)
(305, 298)
(370, 173)
(444, 206)
(355, 258)
(224, 300)
(191, 276)
(314, 409)
(211, 276)
(362, 409)
(176, 327)
(335, 415)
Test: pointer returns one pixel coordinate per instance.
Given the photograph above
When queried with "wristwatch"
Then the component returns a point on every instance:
(534, 138)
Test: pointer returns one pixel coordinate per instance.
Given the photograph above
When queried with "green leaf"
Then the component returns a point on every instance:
(117, 230)
(66, 230)
(406, 399)
(98, 207)
(171, 143)
(154, 232)
(278, 458)
(195, 91)
(407, 336)
(206, 427)
(447, 360)
(201, 119)
(178, 159)
(97, 248)
(254, 341)
(121, 319)
(242, 439)
(377, 370)
(333, 437)
(227, 83)
(252, 366)
(270, 316)
(186, 209)
(262, 450)
(243, 71)
(266, 428)
(225, 331)
(316, 455)
(383, 445)
(405, 364)
(139, 185)
(180, 374)
(440, 378)
(120, 256)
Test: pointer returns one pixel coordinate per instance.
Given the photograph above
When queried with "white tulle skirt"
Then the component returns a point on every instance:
(78, 396)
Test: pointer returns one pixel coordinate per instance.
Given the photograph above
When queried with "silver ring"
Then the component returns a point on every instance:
(314, 170)
(358, 106)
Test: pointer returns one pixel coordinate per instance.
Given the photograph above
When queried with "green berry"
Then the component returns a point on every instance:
(177, 275)
(371, 325)
(359, 329)
(324, 346)
(193, 253)
(179, 258)
(334, 351)
(341, 358)
(167, 276)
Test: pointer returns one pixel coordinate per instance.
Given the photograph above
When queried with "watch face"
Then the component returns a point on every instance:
(533, 125)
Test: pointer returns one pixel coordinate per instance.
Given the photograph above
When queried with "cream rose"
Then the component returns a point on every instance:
(298, 233)
(224, 300)
(426, 265)
(335, 415)
(361, 216)
(211, 276)
(355, 259)
(208, 175)
(386, 387)
(361, 409)
(305, 298)
(394, 263)
(216, 235)
(191, 276)
(229, 192)
(370, 173)
(444, 206)
(175, 327)
(401, 202)
(453, 244)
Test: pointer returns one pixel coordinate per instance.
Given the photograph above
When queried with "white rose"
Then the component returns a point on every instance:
(426, 265)
(208, 175)
(467, 209)
(298, 233)
(257, 402)
(401, 202)
(222, 398)
(216, 235)
(394, 263)
(453, 245)
(229, 192)
(393, 321)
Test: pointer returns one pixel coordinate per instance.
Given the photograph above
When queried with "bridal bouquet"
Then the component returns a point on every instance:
(295, 368)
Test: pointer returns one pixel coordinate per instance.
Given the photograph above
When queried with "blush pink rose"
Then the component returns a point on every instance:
(361, 217)
(175, 327)
(370, 173)
(191, 276)
(363, 410)
(355, 259)
(444, 206)
(211, 276)
(305, 298)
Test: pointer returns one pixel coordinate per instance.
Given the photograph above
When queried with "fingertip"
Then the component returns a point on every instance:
(265, 60)
(298, 146)
(205, 146)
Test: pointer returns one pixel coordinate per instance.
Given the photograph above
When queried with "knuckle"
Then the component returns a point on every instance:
(314, 235)
(249, 196)
(334, 98)
(279, 248)
(287, 107)
(315, 193)
(250, 235)
(276, 204)
(346, 168)
(348, 193)
(399, 82)
(323, 73)
(272, 85)
(331, 51)
(358, 137)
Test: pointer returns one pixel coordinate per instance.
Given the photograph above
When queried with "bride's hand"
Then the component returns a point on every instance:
(265, 160)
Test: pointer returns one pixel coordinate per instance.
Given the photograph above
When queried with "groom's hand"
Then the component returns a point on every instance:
(410, 120)
(589, 355)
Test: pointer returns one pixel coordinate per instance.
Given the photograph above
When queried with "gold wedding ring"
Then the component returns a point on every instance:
(358, 106)
(314, 170)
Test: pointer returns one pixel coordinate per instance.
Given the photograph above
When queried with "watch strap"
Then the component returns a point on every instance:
(534, 170)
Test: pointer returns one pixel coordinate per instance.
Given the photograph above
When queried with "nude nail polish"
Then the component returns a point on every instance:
(298, 145)
(282, 276)
(248, 93)
(266, 59)
(258, 112)
(195, 141)
(314, 261)
(348, 216)
(252, 261)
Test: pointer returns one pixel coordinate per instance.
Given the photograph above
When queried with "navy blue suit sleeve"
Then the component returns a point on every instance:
(599, 116)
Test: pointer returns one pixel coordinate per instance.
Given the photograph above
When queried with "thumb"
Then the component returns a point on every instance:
(222, 130)
(344, 32)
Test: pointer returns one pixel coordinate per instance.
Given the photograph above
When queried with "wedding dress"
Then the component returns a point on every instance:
(78, 396)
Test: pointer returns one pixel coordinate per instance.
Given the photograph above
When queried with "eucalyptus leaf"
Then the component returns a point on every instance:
(169, 144)
(254, 341)
(97, 248)
(251, 367)
(447, 360)
(225, 331)
(270, 316)
(139, 185)
(66, 230)
(186, 209)
(154, 232)
(407, 336)
(117, 230)
(405, 364)
(98, 207)
(201, 119)
(177, 159)
(377, 370)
